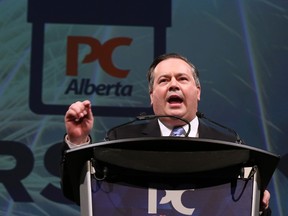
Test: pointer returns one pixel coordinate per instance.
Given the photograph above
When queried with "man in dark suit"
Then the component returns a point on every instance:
(174, 89)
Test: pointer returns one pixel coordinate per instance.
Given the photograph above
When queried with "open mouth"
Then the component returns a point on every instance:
(174, 99)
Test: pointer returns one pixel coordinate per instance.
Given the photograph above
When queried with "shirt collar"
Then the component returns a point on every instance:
(165, 131)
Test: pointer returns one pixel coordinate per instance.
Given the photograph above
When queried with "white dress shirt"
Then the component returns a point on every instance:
(165, 131)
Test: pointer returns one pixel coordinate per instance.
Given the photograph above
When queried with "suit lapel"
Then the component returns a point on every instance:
(152, 129)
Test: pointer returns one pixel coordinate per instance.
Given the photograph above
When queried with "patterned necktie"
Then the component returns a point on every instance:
(178, 132)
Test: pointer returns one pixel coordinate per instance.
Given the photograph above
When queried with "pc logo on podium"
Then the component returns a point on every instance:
(172, 196)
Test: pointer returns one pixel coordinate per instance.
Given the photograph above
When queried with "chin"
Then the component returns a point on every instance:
(177, 113)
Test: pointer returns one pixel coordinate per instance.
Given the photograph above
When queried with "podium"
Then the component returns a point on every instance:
(167, 176)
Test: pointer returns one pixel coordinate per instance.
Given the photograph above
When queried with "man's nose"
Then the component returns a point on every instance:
(174, 85)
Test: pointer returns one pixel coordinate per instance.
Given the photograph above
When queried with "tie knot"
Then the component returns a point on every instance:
(178, 132)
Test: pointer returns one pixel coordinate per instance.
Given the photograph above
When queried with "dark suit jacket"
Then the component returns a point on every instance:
(152, 129)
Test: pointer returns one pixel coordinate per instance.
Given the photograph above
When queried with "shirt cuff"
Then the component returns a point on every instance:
(73, 145)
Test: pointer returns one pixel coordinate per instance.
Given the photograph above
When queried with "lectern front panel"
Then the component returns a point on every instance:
(231, 199)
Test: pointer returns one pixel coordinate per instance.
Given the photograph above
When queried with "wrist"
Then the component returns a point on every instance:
(75, 143)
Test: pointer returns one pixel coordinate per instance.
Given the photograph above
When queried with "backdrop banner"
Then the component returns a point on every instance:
(54, 53)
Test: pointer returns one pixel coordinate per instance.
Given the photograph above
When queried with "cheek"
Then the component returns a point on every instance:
(158, 94)
(193, 95)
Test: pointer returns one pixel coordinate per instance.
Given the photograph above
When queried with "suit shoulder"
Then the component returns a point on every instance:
(208, 130)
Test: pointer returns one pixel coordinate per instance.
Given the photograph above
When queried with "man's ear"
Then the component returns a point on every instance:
(151, 97)
(199, 93)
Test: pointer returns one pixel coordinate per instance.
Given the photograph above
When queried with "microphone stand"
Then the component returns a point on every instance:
(238, 139)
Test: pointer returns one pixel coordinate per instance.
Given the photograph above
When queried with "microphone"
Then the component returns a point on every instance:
(144, 117)
(150, 117)
(238, 139)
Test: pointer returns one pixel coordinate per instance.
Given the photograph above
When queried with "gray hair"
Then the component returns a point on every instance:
(150, 74)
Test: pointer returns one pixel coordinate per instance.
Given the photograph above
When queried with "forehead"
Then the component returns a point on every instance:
(172, 65)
